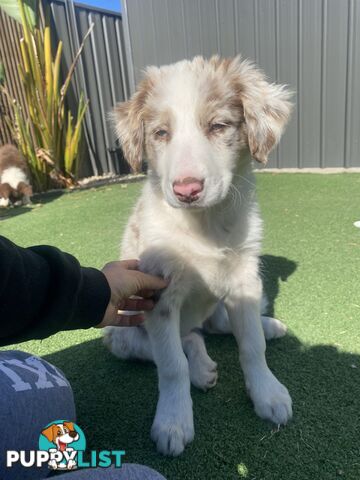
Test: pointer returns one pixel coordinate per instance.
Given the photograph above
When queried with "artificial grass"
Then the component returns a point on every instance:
(311, 269)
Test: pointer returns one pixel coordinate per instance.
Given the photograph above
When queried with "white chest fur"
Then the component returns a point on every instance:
(13, 176)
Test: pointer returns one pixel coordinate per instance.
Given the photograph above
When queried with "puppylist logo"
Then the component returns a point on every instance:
(62, 446)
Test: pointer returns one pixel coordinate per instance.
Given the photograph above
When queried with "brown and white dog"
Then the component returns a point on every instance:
(15, 186)
(200, 123)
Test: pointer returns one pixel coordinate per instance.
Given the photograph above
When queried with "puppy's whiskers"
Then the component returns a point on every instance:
(236, 195)
(244, 178)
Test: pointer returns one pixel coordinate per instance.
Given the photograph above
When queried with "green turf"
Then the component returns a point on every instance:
(311, 268)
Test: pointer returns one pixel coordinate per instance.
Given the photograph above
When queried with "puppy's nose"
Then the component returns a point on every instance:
(73, 434)
(188, 189)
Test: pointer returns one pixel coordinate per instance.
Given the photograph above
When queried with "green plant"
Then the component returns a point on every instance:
(11, 7)
(48, 135)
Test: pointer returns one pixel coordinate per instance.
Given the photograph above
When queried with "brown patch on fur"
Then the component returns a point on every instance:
(219, 63)
(261, 146)
(222, 104)
(156, 120)
(129, 123)
(266, 108)
(11, 157)
(24, 189)
(5, 190)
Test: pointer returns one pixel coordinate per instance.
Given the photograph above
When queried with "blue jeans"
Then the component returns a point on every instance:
(34, 393)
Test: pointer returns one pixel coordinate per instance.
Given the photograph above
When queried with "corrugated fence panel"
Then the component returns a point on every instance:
(335, 18)
(226, 26)
(100, 75)
(309, 86)
(10, 34)
(286, 55)
(352, 130)
(311, 45)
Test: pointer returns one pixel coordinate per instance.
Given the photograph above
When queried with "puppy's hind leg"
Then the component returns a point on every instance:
(203, 370)
(273, 328)
(128, 342)
(219, 322)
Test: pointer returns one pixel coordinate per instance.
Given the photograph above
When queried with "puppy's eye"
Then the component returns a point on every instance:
(59, 432)
(161, 133)
(218, 127)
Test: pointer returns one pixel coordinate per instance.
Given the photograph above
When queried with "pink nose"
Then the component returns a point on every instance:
(188, 189)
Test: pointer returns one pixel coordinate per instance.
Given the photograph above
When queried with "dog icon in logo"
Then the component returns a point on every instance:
(61, 435)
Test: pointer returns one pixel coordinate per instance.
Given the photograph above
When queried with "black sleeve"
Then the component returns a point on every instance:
(44, 290)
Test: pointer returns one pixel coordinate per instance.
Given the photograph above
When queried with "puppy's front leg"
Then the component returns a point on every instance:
(173, 426)
(271, 399)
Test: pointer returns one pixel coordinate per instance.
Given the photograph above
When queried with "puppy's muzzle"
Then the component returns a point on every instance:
(188, 190)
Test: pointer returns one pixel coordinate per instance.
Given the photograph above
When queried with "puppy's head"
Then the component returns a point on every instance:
(195, 121)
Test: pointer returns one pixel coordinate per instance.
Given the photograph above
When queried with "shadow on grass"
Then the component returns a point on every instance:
(37, 200)
(274, 269)
(116, 402)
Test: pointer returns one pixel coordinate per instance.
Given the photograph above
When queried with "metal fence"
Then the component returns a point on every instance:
(10, 33)
(101, 73)
(311, 45)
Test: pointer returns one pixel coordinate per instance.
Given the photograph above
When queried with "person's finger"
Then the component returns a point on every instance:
(130, 264)
(136, 304)
(128, 320)
(150, 282)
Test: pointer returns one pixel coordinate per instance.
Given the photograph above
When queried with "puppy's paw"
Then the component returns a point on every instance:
(271, 399)
(171, 438)
(273, 328)
(202, 370)
(116, 339)
(174, 429)
(203, 373)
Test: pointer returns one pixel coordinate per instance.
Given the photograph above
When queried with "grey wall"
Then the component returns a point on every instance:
(311, 45)
(101, 74)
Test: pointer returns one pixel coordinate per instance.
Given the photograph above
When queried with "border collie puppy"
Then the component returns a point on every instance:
(15, 186)
(199, 124)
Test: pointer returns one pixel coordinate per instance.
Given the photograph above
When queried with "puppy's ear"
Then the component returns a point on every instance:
(266, 109)
(50, 433)
(128, 118)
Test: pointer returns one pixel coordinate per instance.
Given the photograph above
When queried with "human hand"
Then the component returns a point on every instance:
(126, 281)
